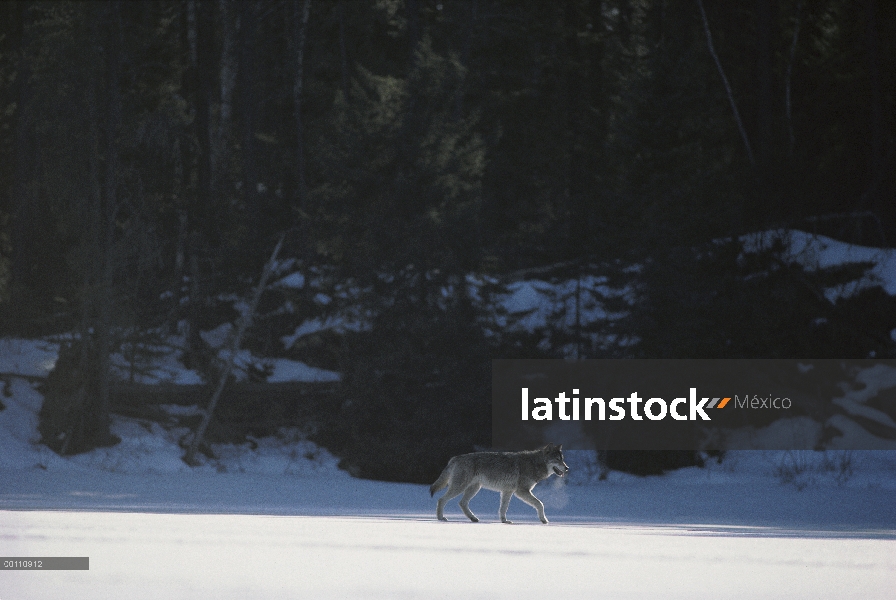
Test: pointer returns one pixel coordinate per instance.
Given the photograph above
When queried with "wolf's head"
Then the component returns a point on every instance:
(553, 457)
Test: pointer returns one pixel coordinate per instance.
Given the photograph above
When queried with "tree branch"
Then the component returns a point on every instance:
(715, 57)
(243, 324)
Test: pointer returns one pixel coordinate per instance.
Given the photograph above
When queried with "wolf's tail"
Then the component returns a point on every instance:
(442, 482)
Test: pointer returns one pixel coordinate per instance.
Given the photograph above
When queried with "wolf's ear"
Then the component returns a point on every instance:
(560, 447)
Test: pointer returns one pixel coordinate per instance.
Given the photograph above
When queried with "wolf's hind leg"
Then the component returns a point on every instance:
(471, 491)
(530, 499)
(454, 490)
(505, 502)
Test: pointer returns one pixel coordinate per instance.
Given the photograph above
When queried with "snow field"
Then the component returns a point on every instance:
(136, 556)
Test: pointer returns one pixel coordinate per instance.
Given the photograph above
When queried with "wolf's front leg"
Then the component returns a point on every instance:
(530, 499)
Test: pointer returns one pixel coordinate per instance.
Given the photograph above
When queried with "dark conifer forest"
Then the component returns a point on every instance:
(416, 157)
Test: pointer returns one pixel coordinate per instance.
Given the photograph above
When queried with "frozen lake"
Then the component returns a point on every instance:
(145, 555)
(280, 520)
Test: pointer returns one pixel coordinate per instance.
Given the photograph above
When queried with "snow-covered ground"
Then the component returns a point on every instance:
(278, 519)
(281, 520)
(243, 557)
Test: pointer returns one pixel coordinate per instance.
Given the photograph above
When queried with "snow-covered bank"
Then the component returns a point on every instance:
(288, 475)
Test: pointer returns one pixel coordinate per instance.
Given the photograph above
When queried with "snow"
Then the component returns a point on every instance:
(530, 304)
(31, 358)
(854, 434)
(165, 366)
(294, 281)
(162, 365)
(799, 432)
(275, 517)
(820, 252)
(253, 556)
(534, 303)
(338, 324)
(218, 337)
(294, 370)
(146, 447)
(872, 381)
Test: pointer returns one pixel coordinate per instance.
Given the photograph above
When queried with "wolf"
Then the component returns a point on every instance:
(511, 473)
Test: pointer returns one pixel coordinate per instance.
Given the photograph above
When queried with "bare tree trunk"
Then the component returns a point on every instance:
(201, 210)
(244, 323)
(764, 77)
(343, 55)
(184, 160)
(300, 23)
(767, 201)
(110, 201)
(877, 126)
(414, 34)
(715, 57)
(249, 111)
(788, 82)
(79, 394)
(202, 35)
(568, 96)
(192, 33)
(229, 25)
(465, 59)
(24, 201)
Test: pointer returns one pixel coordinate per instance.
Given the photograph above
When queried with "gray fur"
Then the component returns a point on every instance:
(511, 473)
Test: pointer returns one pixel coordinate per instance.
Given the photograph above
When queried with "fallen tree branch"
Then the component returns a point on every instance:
(242, 325)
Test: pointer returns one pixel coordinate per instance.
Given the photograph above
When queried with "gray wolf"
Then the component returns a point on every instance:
(511, 473)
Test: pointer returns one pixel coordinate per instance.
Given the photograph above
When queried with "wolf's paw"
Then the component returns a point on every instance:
(443, 518)
(545, 521)
(506, 521)
(474, 519)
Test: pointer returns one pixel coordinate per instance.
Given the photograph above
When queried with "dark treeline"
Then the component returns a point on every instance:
(151, 154)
